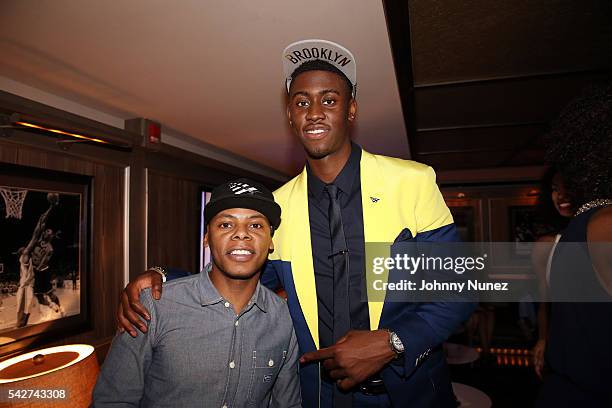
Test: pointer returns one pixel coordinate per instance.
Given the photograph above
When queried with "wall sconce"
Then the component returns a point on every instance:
(62, 376)
(461, 195)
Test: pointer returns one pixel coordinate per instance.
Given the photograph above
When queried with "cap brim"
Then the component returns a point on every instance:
(268, 209)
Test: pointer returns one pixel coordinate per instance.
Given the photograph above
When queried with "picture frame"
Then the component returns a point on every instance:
(467, 217)
(204, 253)
(523, 228)
(45, 252)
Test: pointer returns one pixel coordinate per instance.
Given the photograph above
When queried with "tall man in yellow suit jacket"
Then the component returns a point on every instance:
(391, 354)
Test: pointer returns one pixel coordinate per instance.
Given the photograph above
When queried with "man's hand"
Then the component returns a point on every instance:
(130, 309)
(355, 357)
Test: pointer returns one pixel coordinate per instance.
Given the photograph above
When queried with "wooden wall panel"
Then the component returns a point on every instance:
(467, 214)
(487, 207)
(491, 204)
(174, 222)
(107, 246)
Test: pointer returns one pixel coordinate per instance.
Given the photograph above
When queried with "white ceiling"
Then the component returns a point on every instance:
(207, 70)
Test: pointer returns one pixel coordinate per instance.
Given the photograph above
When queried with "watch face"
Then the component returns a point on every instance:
(397, 343)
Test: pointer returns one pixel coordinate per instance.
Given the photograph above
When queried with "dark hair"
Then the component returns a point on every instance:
(320, 65)
(551, 221)
(580, 144)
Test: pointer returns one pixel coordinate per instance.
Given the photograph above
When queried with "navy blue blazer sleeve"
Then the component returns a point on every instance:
(270, 276)
(428, 325)
(174, 273)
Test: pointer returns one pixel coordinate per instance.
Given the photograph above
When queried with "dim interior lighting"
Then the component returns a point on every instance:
(60, 132)
(72, 130)
(69, 371)
(510, 357)
(461, 195)
(81, 351)
(533, 192)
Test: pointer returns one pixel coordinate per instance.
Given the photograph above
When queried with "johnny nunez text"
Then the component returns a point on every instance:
(434, 285)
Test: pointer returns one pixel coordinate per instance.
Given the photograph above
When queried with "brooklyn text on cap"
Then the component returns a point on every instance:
(309, 50)
(243, 193)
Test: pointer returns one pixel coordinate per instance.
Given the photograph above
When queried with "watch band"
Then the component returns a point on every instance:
(161, 270)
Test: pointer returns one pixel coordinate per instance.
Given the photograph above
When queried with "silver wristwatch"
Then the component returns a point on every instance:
(161, 270)
(396, 343)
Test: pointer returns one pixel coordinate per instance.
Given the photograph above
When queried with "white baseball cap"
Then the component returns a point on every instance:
(299, 52)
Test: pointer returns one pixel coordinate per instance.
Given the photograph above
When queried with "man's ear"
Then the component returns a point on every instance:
(288, 111)
(271, 247)
(205, 240)
(352, 111)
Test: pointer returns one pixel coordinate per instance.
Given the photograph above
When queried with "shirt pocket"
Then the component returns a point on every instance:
(266, 364)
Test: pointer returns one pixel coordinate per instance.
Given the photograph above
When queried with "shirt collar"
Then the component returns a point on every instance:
(209, 295)
(344, 181)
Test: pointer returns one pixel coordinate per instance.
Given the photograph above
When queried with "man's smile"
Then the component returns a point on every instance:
(241, 254)
(316, 132)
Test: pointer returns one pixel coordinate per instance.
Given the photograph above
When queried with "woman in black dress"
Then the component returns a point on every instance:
(579, 355)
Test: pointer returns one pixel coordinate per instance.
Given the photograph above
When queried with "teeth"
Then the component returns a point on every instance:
(240, 252)
(564, 205)
(315, 131)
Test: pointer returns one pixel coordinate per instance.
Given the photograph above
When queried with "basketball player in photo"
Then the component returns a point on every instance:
(25, 292)
(41, 256)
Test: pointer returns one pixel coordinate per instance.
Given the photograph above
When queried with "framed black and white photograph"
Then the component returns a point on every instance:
(44, 254)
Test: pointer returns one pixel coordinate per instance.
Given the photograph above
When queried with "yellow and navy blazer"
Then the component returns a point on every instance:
(397, 196)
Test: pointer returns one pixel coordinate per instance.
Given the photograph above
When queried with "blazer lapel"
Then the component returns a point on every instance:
(301, 255)
(377, 227)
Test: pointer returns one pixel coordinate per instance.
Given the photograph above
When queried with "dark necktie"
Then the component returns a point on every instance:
(340, 258)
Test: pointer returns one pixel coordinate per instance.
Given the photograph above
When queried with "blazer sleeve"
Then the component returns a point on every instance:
(433, 218)
(270, 275)
(430, 324)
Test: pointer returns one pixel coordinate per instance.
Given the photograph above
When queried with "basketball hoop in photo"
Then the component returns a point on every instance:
(13, 201)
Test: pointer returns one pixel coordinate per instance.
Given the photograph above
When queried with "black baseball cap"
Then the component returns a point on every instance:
(243, 193)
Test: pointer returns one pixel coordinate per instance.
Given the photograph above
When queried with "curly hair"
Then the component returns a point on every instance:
(580, 144)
